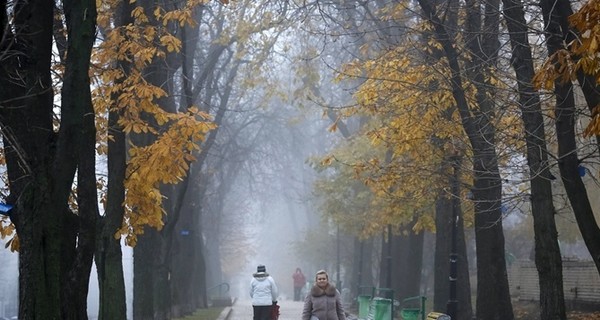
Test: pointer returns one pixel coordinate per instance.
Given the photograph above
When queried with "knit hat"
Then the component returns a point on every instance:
(261, 268)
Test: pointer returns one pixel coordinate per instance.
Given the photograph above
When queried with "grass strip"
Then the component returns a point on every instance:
(211, 313)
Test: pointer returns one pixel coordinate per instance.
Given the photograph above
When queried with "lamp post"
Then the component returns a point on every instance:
(389, 257)
(337, 276)
(452, 305)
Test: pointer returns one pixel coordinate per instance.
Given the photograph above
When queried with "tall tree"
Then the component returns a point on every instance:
(81, 34)
(41, 162)
(548, 258)
(487, 188)
(557, 33)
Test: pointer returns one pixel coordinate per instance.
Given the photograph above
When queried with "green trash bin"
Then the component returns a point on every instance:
(363, 306)
(410, 313)
(383, 309)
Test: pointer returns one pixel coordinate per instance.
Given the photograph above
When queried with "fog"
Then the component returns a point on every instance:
(279, 210)
(269, 210)
(256, 186)
(9, 281)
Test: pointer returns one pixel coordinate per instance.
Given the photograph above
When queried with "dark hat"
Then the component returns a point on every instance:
(261, 268)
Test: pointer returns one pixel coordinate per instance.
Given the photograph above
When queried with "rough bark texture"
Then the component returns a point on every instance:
(568, 161)
(109, 262)
(444, 222)
(40, 165)
(487, 188)
(401, 263)
(407, 260)
(81, 26)
(108, 250)
(547, 252)
(143, 283)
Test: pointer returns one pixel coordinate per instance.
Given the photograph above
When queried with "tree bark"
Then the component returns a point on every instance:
(446, 206)
(109, 259)
(548, 258)
(27, 99)
(143, 277)
(81, 26)
(487, 189)
(407, 260)
(568, 161)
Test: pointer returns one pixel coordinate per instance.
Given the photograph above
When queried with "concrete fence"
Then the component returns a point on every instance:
(581, 282)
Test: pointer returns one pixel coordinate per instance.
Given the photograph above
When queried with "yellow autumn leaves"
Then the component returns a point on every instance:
(582, 55)
(176, 136)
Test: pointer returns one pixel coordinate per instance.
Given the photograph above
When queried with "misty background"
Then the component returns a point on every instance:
(259, 203)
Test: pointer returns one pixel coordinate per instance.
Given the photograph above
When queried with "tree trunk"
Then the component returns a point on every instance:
(407, 259)
(444, 222)
(143, 278)
(487, 189)
(28, 136)
(548, 258)
(81, 26)
(568, 162)
(362, 276)
(109, 258)
(182, 259)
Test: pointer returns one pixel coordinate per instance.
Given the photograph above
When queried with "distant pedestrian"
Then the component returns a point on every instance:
(263, 292)
(324, 301)
(299, 283)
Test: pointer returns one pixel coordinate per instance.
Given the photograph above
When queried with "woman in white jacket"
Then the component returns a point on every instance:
(263, 292)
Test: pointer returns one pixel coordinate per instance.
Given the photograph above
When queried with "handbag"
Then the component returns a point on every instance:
(275, 311)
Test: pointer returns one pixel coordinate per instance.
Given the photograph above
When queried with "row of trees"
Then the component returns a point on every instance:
(161, 93)
(447, 107)
(435, 103)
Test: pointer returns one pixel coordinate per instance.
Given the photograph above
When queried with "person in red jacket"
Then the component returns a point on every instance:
(299, 282)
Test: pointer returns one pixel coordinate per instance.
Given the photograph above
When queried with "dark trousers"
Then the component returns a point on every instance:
(297, 293)
(262, 312)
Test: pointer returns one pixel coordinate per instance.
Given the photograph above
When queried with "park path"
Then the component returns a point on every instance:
(289, 310)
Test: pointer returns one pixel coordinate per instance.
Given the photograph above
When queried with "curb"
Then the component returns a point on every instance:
(225, 314)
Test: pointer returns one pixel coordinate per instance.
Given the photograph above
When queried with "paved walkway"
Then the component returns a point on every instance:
(289, 310)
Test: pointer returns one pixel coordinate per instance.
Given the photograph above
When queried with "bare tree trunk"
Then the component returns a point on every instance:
(109, 257)
(487, 188)
(81, 27)
(568, 162)
(40, 165)
(108, 253)
(548, 258)
(445, 222)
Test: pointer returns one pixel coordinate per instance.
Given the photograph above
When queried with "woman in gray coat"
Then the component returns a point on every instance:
(323, 302)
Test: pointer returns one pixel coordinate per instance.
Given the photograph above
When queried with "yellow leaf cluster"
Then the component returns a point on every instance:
(7, 229)
(586, 47)
(126, 92)
(413, 126)
(166, 161)
(181, 17)
(170, 42)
